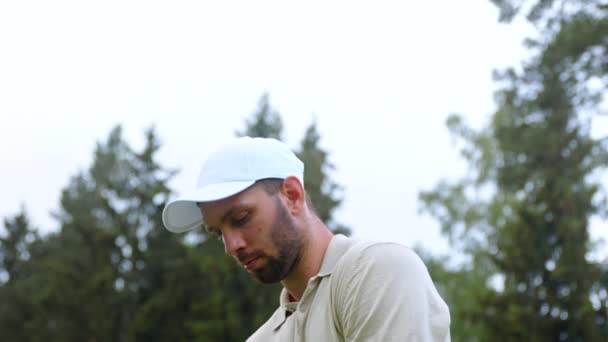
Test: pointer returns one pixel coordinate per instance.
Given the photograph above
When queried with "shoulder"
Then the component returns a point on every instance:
(383, 291)
(384, 256)
(379, 267)
(391, 273)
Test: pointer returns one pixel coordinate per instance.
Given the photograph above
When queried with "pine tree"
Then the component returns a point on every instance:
(525, 207)
(265, 122)
(14, 247)
(94, 278)
(15, 254)
(324, 193)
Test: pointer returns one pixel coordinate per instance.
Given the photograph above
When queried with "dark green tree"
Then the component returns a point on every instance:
(15, 244)
(323, 192)
(265, 122)
(522, 213)
(460, 287)
(113, 272)
(15, 254)
(100, 275)
(113, 212)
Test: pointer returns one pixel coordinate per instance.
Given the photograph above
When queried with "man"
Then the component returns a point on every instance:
(251, 193)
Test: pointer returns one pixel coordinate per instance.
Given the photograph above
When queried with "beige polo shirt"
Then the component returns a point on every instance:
(364, 291)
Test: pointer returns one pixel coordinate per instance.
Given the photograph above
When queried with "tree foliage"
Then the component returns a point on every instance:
(524, 209)
(324, 193)
(14, 251)
(266, 122)
(112, 272)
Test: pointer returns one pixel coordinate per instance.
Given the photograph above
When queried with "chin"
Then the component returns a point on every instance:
(265, 277)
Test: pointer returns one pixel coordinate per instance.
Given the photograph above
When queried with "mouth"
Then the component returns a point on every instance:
(250, 264)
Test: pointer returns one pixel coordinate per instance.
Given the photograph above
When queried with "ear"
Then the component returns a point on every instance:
(293, 192)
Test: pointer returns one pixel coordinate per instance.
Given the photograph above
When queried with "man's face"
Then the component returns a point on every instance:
(258, 231)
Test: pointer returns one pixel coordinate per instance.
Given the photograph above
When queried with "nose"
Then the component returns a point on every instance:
(233, 241)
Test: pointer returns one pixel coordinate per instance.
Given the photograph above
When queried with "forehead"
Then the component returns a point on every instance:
(213, 212)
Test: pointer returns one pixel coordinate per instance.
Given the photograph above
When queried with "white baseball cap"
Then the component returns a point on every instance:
(229, 170)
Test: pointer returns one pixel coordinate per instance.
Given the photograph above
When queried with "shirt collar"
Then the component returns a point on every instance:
(338, 245)
(285, 306)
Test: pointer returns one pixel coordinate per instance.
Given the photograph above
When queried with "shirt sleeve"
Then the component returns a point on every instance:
(384, 293)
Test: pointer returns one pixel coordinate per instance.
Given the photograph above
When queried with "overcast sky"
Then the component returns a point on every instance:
(380, 77)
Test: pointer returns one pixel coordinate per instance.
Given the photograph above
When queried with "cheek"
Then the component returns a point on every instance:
(257, 234)
(260, 228)
(260, 233)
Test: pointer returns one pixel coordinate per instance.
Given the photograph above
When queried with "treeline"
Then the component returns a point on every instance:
(520, 217)
(113, 273)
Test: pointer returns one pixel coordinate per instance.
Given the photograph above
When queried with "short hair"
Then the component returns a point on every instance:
(273, 185)
(270, 185)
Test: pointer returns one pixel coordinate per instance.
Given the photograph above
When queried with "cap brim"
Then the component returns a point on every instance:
(183, 214)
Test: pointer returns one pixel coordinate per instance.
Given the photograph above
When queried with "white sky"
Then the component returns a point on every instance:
(381, 78)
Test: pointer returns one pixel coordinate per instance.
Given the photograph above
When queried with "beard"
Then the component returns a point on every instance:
(288, 241)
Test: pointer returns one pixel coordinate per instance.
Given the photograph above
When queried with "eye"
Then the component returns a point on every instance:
(240, 219)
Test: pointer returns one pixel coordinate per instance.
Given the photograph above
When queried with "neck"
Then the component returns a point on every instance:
(315, 244)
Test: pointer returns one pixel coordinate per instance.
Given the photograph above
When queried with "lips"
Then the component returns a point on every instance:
(250, 264)
(249, 260)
